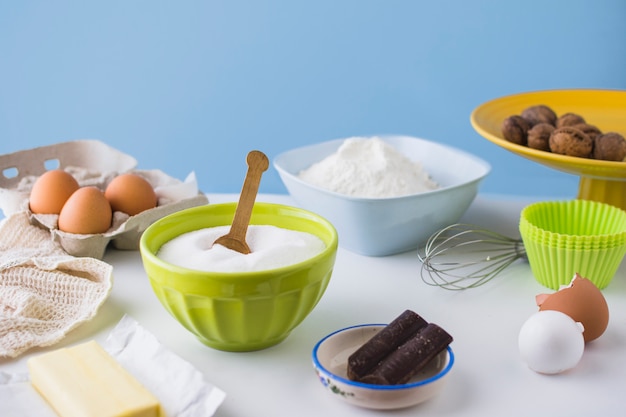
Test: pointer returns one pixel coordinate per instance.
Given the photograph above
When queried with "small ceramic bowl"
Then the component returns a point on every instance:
(239, 311)
(386, 226)
(330, 359)
(563, 238)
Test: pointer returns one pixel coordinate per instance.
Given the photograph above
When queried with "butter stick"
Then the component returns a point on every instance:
(364, 359)
(84, 380)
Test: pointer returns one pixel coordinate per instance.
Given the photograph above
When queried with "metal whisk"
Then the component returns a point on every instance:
(463, 256)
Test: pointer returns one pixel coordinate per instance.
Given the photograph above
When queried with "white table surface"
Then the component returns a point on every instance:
(488, 379)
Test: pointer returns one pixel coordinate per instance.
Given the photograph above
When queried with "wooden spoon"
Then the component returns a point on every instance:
(235, 239)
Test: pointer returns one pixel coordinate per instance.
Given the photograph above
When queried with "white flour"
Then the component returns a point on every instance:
(271, 247)
(369, 167)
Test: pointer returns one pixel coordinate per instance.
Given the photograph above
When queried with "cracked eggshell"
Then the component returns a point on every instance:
(583, 302)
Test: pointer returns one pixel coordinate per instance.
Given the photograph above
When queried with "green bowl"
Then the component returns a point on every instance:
(563, 238)
(239, 311)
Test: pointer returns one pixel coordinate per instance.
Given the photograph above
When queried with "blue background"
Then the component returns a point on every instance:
(194, 85)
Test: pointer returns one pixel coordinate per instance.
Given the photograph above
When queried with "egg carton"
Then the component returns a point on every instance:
(92, 163)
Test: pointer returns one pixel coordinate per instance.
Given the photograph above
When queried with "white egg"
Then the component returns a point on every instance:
(551, 342)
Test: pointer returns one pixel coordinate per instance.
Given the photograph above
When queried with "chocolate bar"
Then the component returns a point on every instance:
(409, 358)
(367, 357)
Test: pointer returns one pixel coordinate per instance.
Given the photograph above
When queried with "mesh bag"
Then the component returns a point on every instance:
(44, 292)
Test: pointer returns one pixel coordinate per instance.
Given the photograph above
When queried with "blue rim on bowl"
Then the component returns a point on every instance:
(440, 374)
(330, 357)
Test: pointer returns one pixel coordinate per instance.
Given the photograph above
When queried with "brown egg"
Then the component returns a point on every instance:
(130, 194)
(87, 211)
(51, 190)
(583, 302)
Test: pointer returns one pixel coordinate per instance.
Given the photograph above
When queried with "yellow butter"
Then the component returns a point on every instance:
(85, 381)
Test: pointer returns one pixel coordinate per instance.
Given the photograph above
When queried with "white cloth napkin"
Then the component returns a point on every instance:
(44, 292)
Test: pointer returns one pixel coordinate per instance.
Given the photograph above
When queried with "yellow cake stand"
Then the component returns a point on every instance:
(603, 181)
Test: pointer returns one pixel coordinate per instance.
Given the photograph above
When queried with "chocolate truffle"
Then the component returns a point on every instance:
(570, 141)
(515, 129)
(539, 114)
(610, 146)
(569, 119)
(539, 136)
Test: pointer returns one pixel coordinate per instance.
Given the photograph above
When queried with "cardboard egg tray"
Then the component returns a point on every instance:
(92, 163)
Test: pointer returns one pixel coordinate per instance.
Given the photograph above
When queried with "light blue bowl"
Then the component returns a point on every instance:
(386, 226)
